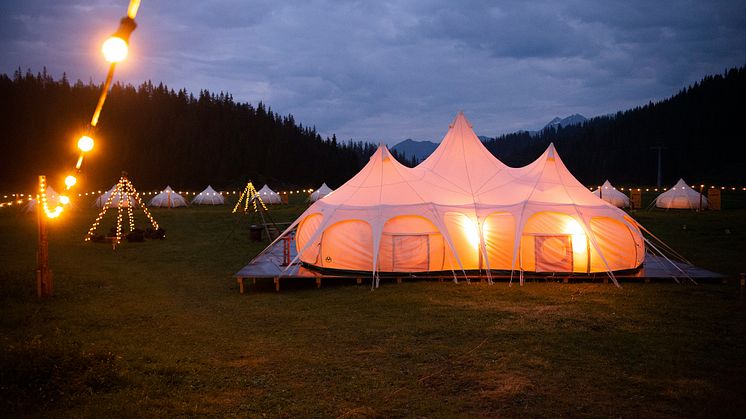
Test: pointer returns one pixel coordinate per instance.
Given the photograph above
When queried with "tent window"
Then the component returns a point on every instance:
(410, 253)
(553, 253)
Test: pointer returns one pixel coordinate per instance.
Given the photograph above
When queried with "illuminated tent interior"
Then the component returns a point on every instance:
(101, 200)
(610, 194)
(463, 210)
(321, 192)
(168, 198)
(268, 196)
(681, 196)
(208, 197)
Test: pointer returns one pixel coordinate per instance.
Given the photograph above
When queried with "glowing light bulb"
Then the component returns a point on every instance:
(70, 181)
(85, 143)
(115, 49)
(64, 200)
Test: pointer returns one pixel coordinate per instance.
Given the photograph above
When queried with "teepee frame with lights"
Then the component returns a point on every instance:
(126, 193)
(250, 197)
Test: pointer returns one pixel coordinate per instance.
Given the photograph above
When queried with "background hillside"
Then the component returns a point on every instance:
(702, 129)
(164, 136)
(161, 136)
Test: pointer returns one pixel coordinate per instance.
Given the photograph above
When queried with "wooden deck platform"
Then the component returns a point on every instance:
(269, 266)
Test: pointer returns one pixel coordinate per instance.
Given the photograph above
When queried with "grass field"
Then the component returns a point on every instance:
(158, 329)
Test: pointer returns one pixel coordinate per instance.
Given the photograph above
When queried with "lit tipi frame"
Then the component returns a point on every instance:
(125, 192)
(249, 196)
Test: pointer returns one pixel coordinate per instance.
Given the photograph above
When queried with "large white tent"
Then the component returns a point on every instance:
(462, 209)
(103, 198)
(321, 192)
(168, 198)
(269, 196)
(53, 199)
(610, 194)
(208, 197)
(681, 196)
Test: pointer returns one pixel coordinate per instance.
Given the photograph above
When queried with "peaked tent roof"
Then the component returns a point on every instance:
(168, 198)
(208, 197)
(681, 196)
(611, 195)
(321, 192)
(461, 185)
(269, 196)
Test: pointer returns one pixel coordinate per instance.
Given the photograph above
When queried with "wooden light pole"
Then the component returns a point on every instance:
(115, 49)
(44, 277)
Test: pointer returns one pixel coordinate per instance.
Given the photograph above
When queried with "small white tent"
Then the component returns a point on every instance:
(53, 199)
(320, 193)
(611, 195)
(168, 198)
(269, 196)
(208, 197)
(681, 196)
(101, 200)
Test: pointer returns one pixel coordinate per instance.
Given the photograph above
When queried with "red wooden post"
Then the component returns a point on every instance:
(286, 250)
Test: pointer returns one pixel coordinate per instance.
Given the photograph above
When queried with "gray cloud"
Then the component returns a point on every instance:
(395, 69)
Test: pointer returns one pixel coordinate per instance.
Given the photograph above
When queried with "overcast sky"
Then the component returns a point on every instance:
(390, 70)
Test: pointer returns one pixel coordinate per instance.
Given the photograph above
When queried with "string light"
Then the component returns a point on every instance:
(249, 195)
(114, 49)
(126, 192)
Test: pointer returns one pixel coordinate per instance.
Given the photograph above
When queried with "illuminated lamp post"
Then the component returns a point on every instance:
(115, 50)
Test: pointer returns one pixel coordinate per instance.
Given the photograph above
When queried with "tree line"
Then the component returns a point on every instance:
(159, 135)
(701, 131)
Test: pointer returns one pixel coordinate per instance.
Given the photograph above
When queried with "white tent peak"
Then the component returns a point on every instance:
(268, 196)
(168, 198)
(610, 194)
(209, 196)
(681, 196)
(321, 192)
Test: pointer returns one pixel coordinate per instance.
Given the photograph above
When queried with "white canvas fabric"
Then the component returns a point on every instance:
(53, 199)
(208, 197)
(462, 209)
(611, 195)
(101, 200)
(269, 196)
(321, 192)
(681, 196)
(168, 199)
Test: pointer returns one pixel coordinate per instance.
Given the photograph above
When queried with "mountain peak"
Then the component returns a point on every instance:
(418, 149)
(574, 119)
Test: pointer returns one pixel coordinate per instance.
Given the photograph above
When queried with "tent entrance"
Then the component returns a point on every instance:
(410, 252)
(553, 253)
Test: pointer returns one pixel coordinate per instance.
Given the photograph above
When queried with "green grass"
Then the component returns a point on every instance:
(158, 329)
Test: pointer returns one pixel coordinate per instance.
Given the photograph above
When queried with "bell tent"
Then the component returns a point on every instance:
(127, 200)
(681, 196)
(168, 199)
(320, 193)
(208, 197)
(462, 210)
(268, 196)
(611, 195)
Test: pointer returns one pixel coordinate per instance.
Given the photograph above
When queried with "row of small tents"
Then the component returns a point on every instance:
(169, 198)
(680, 196)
